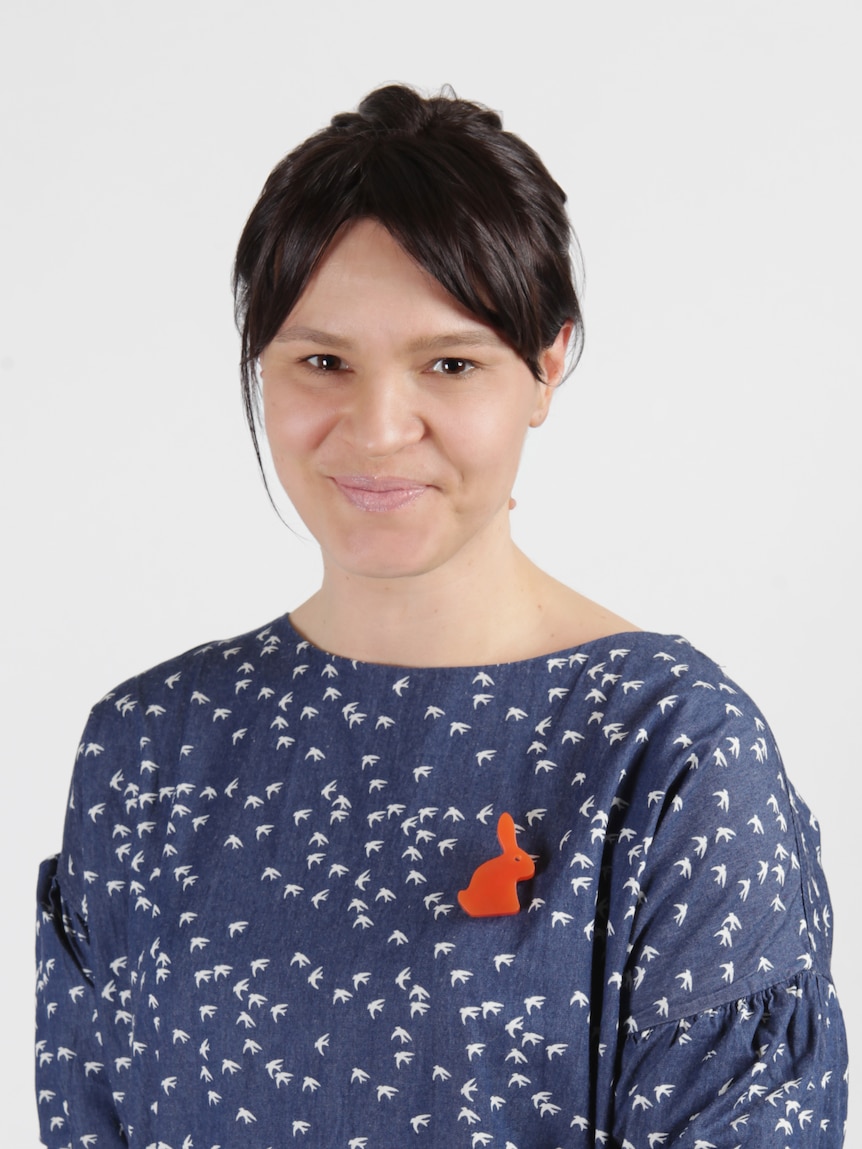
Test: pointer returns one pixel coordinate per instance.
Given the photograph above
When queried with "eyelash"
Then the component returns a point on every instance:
(465, 365)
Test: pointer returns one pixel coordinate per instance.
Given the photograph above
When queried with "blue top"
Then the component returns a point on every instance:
(253, 937)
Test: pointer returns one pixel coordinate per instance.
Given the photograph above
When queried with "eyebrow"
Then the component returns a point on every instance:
(469, 337)
(310, 335)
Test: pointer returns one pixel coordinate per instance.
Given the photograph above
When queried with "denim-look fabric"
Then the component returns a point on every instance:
(252, 937)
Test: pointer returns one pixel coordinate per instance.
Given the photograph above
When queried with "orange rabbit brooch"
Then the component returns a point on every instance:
(492, 891)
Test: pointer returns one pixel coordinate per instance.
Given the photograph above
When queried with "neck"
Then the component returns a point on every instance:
(474, 613)
(487, 604)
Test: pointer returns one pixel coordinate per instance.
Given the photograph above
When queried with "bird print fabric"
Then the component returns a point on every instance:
(252, 936)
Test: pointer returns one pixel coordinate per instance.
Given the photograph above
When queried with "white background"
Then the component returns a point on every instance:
(701, 470)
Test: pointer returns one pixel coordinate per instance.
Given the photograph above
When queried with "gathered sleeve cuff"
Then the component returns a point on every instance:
(766, 1070)
(76, 1100)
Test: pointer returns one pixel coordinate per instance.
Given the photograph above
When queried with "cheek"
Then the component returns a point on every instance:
(490, 445)
(293, 427)
(499, 431)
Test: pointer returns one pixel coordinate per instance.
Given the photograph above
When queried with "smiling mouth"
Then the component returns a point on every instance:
(378, 495)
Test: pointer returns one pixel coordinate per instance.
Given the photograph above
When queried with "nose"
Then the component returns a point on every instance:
(382, 417)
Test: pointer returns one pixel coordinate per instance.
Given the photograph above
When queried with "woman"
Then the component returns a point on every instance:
(450, 854)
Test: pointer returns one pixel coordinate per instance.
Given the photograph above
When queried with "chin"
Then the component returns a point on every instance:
(390, 560)
(385, 569)
(378, 550)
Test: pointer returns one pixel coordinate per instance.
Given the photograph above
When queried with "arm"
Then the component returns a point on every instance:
(75, 1101)
(765, 1070)
(79, 1047)
(730, 1031)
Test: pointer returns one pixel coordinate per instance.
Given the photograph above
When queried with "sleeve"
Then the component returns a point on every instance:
(74, 1097)
(766, 1070)
(82, 1035)
(730, 1032)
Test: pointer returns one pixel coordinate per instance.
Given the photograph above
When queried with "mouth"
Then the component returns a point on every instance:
(379, 495)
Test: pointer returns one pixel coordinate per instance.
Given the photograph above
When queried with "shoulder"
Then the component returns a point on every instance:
(138, 735)
(209, 661)
(682, 708)
(142, 723)
(694, 747)
(188, 698)
(724, 892)
(669, 659)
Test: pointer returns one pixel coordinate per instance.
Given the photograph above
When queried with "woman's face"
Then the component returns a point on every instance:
(395, 418)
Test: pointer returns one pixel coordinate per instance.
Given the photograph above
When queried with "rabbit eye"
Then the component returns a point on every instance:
(517, 857)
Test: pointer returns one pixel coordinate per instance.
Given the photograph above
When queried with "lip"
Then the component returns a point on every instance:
(389, 493)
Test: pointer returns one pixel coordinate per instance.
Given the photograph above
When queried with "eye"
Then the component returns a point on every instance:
(325, 363)
(453, 366)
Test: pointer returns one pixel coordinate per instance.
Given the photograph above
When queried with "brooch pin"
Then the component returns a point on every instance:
(492, 891)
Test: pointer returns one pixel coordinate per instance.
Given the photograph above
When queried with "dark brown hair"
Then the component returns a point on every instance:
(471, 203)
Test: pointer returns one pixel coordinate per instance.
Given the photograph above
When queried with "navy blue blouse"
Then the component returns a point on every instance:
(252, 936)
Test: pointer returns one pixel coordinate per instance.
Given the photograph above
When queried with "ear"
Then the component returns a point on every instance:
(506, 833)
(552, 364)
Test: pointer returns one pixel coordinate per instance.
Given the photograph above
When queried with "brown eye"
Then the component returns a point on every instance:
(453, 366)
(325, 362)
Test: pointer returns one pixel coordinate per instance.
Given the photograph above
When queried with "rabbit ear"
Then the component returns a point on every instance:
(506, 834)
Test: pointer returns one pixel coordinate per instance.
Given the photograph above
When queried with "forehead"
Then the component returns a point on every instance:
(367, 281)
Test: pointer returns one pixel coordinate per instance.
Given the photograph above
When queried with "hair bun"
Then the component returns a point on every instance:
(394, 108)
(397, 108)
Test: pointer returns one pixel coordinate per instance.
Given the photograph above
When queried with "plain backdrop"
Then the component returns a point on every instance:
(700, 472)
